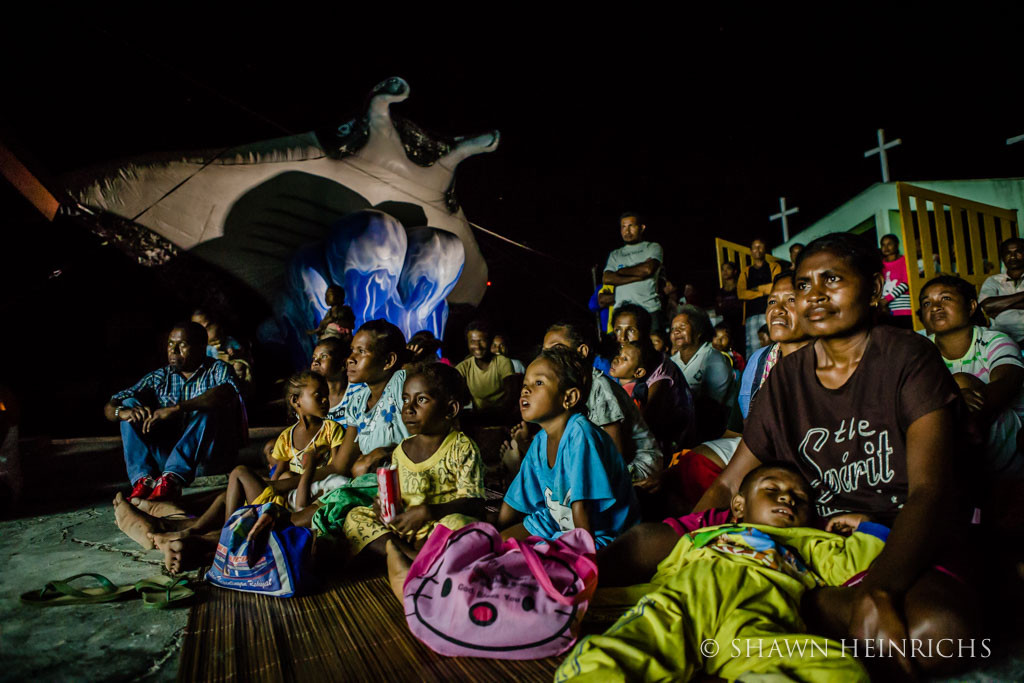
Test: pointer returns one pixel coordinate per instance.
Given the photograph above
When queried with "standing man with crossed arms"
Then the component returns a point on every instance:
(633, 269)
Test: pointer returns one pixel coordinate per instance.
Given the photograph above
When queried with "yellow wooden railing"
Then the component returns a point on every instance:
(964, 234)
(737, 253)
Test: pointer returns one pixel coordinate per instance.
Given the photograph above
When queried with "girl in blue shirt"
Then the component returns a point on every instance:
(572, 476)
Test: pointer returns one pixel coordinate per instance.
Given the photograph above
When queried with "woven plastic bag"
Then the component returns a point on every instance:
(276, 563)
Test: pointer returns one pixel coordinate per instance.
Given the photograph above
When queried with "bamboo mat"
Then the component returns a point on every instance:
(353, 631)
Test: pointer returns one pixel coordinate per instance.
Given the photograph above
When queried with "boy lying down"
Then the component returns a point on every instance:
(729, 596)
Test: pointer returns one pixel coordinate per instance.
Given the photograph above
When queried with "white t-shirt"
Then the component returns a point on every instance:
(1011, 322)
(990, 349)
(645, 292)
(708, 373)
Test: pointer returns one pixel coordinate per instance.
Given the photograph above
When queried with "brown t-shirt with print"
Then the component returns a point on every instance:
(850, 442)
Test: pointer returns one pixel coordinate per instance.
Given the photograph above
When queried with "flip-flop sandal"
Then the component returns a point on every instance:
(162, 591)
(63, 593)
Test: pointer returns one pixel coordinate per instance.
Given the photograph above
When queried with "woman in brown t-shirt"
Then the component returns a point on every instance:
(867, 414)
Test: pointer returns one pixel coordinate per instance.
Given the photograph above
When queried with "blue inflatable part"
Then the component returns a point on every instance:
(403, 276)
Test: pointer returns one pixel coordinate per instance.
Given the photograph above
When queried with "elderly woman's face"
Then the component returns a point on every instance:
(781, 312)
(681, 332)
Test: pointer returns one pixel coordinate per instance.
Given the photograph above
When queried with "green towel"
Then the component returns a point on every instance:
(334, 506)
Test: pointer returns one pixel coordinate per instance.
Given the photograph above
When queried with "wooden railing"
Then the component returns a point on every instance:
(964, 234)
(737, 253)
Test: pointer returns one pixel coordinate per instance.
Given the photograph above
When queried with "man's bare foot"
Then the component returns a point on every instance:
(161, 539)
(398, 568)
(158, 508)
(135, 524)
(183, 554)
(404, 547)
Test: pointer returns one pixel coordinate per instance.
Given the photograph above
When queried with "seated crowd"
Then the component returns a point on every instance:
(826, 485)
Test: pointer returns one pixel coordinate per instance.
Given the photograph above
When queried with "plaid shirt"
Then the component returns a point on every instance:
(169, 388)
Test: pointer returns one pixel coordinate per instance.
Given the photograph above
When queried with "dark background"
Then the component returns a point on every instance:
(700, 121)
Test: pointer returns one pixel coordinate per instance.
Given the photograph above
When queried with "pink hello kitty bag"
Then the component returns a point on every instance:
(471, 594)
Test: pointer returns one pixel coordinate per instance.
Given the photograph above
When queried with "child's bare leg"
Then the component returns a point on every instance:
(406, 548)
(304, 517)
(939, 607)
(376, 548)
(634, 556)
(398, 567)
(192, 505)
(210, 520)
(243, 485)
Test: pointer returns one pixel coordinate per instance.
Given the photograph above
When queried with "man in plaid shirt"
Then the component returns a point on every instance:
(178, 419)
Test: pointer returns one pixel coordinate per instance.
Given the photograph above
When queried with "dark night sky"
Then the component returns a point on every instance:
(699, 121)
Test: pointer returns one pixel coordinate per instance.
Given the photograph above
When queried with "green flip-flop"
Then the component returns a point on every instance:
(58, 593)
(159, 592)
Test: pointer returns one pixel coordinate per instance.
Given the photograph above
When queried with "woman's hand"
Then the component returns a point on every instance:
(974, 399)
(370, 462)
(845, 525)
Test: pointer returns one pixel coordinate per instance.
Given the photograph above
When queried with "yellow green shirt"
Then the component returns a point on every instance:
(454, 471)
(486, 385)
(724, 588)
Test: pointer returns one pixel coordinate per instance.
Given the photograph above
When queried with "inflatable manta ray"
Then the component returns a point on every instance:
(369, 205)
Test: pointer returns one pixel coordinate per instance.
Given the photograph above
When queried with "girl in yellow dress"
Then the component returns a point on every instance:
(440, 472)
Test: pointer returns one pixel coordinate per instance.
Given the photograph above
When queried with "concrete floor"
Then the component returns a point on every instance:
(70, 530)
(109, 641)
(115, 641)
